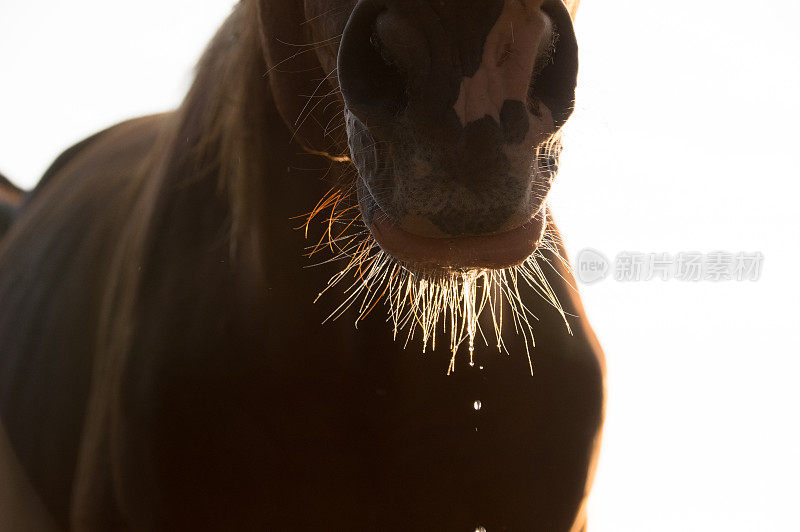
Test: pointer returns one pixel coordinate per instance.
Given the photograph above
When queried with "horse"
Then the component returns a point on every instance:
(163, 363)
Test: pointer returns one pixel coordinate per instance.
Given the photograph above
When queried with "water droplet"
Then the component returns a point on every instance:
(476, 405)
(480, 529)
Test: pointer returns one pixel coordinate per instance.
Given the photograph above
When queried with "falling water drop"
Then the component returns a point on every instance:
(477, 405)
(470, 310)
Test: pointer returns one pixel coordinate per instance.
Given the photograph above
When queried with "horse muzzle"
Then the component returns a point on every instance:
(453, 114)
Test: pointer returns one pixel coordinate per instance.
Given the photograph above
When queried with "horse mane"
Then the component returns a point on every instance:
(220, 126)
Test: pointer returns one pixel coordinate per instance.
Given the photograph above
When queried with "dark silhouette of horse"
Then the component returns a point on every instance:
(162, 366)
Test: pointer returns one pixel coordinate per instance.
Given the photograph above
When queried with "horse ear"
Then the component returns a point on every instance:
(572, 6)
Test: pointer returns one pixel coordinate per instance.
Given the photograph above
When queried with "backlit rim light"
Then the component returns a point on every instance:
(418, 302)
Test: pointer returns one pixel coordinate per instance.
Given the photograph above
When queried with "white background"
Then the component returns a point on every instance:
(685, 139)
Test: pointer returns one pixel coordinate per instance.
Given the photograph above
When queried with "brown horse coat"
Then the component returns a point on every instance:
(162, 365)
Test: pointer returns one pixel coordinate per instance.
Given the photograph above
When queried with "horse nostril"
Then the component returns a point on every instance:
(554, 82)
(371, 74)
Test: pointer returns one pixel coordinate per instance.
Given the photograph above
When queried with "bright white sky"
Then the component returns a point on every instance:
(685, 139)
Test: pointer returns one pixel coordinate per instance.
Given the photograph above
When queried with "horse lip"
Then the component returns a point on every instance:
(492, 251)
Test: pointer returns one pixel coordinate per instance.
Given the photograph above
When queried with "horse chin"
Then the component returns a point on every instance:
(449, 254)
